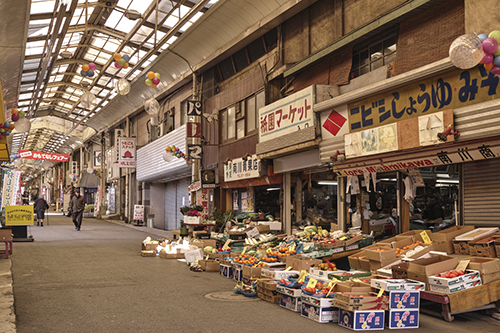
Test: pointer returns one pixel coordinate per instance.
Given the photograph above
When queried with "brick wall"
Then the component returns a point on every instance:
(426, 37)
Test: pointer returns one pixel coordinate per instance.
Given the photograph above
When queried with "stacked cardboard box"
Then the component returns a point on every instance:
(421, 269)
(443, 240)
(489, 268)
(380, 256)
(290, 298)
(469, 280)
(485, 246)
(266, 290)
(360, 310)
(320, 310)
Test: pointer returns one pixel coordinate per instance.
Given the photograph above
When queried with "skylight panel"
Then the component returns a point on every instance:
(44, 6)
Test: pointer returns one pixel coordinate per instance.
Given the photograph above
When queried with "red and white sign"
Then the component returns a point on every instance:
(127, 153)
(37, 155)
(334, 123)
(193, 130)
(287, 115)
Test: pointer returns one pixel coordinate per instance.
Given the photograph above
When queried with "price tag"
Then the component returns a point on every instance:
(425, 237)
(312, 283)
(288, 268)
(253, 233)
(335, 280)
(206, 257)
(462, 265)
(302, 276)
(226, 244)
(320, 231)
(380, 293)
(331, 285)
(342, 238)
(357, 280)
(292, 247)
(244, 249)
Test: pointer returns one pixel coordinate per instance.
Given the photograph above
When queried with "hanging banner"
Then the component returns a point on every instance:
(127, 153)
(111, 199)
(37, 155)
(97, 204)
(119, 133)
(18, 188)
(9, 189)
(19, 215)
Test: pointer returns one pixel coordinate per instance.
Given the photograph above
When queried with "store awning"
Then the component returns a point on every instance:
(89, 180)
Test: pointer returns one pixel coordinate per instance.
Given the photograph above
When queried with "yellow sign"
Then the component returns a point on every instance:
(302, 276)
(332, 286)
(451, 90)
(244, 250)
(425, 237)
(288, 268)
(226, 244)
(380, 293)
(312, 283)
(19, 215)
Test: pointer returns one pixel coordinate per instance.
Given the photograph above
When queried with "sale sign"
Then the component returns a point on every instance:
(37, 155)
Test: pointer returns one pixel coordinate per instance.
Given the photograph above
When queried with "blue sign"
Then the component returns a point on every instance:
(404, 300)
(403, 318)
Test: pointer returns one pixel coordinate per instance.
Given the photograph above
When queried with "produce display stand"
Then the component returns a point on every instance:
(474, 299)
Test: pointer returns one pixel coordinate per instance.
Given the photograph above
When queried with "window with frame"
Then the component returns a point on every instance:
(240, 119)
(168, 121)
(369, 57)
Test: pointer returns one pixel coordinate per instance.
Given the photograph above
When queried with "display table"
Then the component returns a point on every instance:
(478, 298)
(192, 226)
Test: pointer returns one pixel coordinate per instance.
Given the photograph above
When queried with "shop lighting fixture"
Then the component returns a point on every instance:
(327, 182)
(443, 175)
(447, 181)
(388, 179)
(273, 189)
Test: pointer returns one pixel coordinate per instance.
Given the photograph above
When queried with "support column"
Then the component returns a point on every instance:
(102, 207)
(341, 205)
(298, 199)
(287, 201)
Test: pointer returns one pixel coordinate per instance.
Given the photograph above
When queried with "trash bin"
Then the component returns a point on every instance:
(151, 220)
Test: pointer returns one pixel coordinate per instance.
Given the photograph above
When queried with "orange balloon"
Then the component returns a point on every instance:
(168, 148)
(155, 85)
(12, 126)
(151, 75)
(489, 66)
(85, 68)
(117, 56)
(15, 111)
(126, 65)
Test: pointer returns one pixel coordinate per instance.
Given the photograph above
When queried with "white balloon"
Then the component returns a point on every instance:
(88, 100)
(466, 51)
(122, 86)
(90, 170)
(167, 156)
(23, 125)
(152, 106)
(18, 161)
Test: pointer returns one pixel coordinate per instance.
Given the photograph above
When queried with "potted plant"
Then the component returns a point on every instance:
(192, 214)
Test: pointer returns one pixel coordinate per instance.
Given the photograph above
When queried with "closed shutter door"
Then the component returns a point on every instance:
(182, 197)
(481, 192)
(170, 206)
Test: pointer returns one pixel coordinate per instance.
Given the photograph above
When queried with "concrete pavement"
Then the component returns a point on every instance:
(96, 281)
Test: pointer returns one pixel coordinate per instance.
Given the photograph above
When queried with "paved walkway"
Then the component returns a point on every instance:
(95, 280)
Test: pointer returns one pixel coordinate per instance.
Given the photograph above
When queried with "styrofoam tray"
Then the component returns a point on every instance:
(476, 233)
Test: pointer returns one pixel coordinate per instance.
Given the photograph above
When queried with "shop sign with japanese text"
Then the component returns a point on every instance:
(193, 187)
(445, 156)
(36, 155)
(9, 188)
(119, 133)
(287, 115)
(451, 90)
(19, 215)
(240, 168)
(127, 153)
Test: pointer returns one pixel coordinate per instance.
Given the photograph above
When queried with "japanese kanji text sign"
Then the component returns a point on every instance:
(37, 155)
(451, 90)
(127, 153)
(240, 168)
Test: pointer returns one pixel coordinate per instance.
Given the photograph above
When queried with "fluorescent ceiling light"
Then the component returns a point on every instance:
(388, 179)
(327, 182)
(443, 175)
(274, 189)
(448, 181)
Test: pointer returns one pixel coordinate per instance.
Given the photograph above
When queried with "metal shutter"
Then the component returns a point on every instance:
(170, 206)
(481, 192)
(182, 197)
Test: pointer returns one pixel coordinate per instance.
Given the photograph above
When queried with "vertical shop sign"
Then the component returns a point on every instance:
(97, 205)
(111, 200)
(127, 153)
(8, 188)
(118, 134)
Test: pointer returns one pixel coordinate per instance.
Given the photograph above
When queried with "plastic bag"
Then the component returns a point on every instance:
(356, 220)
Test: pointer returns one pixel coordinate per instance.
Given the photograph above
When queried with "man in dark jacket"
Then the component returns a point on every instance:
(40, 207)
(78, 206)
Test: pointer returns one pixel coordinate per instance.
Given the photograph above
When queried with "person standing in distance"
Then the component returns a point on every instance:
(40, 207)
(78, 206)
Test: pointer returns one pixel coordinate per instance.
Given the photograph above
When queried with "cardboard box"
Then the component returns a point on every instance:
(192, 256)
(289, 291)
(485, 247)
(387, 254)
(469, 276)
(226, 271)
(375, 265)
(443, 240)
(420, 269)
(267, 284)
(497, 248)
(348, 286)
(354, 260)
(209, 265)
(360, 301)
(403, 318)
(275, 299)
(364, 263)
(404, 300)
(252, 272)
(362, 320)
(319, 302)
(415, 234)
(455, 288)
(299, 263)
(277, 273)
(344, 276)
(461, 247)
(400, 271)
(6, 235)
(397, 285)
(398, 243)
(291, 303)
(177, 255)
(144, 247)
(320, 315)
(484, 265)
(238, 274)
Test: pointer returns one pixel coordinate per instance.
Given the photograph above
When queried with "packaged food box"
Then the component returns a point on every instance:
(362, 320)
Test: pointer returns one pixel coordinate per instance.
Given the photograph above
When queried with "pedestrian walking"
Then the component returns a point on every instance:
(40, 206)
(77, 206)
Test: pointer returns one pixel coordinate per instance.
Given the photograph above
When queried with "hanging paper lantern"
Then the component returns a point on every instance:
(23, 125)
(88, 100)
(122, 86)
(152, 106)
(466, 51)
